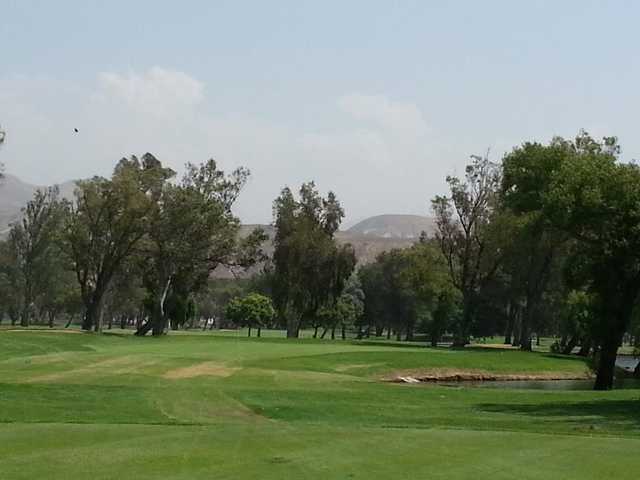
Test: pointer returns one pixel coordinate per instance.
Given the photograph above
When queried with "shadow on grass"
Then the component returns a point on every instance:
(599, 412)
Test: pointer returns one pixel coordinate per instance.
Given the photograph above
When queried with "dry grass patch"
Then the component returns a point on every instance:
(204, 369)
(111, 366)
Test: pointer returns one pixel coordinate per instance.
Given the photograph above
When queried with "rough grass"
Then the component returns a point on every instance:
(203, 406)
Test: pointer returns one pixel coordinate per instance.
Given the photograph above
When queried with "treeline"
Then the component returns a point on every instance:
(134, 248)
(546, 242)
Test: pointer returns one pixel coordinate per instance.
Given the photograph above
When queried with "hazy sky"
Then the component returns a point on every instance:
(377, 101)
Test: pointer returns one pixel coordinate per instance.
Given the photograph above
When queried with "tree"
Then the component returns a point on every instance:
(192, 230)
(10, 282)
(403, 289)
(105, 224)
(462, 221)
(534, 246)
(252, 311)
(344, 313)
(35, 251)
(596, 200)
(576, 321)
(309, 268)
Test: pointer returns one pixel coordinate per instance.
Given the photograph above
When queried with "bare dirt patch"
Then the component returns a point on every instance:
(107, 366)
(462, 375)
(204, 369)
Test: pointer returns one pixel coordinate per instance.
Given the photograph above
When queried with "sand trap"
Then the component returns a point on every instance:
(208, 369)
(456, 375)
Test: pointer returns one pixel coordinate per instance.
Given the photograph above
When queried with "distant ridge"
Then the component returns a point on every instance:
(394, 226)
(14, 195)
(369, 237)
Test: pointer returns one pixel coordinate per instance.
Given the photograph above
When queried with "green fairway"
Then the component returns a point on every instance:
(191, 406)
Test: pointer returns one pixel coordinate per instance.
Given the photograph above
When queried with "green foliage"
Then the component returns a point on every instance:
(463, 219)
(106, 222)
(192, 230)
(32, 265)
(309, 269)
(253, 310)
(405, 287)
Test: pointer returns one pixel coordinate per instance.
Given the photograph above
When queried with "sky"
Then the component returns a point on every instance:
(375, 100)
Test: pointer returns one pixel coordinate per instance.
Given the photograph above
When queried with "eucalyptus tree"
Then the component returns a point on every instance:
(462, 220)
(534, 245)
(309, 268)
(35, 251)
(596, 199)
(105, 224)
(191, 231)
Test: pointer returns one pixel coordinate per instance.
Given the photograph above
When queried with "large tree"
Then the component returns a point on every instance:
(35, 251)
(463, 219)
(309, 268)
(596, 199)
(192, 230)
(533, 246)
(106, 222)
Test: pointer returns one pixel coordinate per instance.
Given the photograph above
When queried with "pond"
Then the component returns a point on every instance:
(627, 362)
(626, 383)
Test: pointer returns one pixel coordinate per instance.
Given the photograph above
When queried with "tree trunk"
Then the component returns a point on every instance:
(259, 330)
(293, 326)
(249, 332)
(333, 332)
(98, 325)
(408, 337)
(508, 332)
(606, 364)
(324, 333)
(636, 371)
(388, 333)
(461, 337)
(315, 332)
(144, 328)
(93, 309)
(344, 332)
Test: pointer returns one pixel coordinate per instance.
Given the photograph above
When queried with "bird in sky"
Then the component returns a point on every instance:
(75, 130)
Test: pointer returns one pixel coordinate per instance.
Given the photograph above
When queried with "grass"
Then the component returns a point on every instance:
(208, 406)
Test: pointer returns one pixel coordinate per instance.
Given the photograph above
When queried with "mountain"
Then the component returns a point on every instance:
(14, 195)
(369, 237)
(394, 226)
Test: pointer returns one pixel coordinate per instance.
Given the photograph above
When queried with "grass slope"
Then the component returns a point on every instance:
(204, 406)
